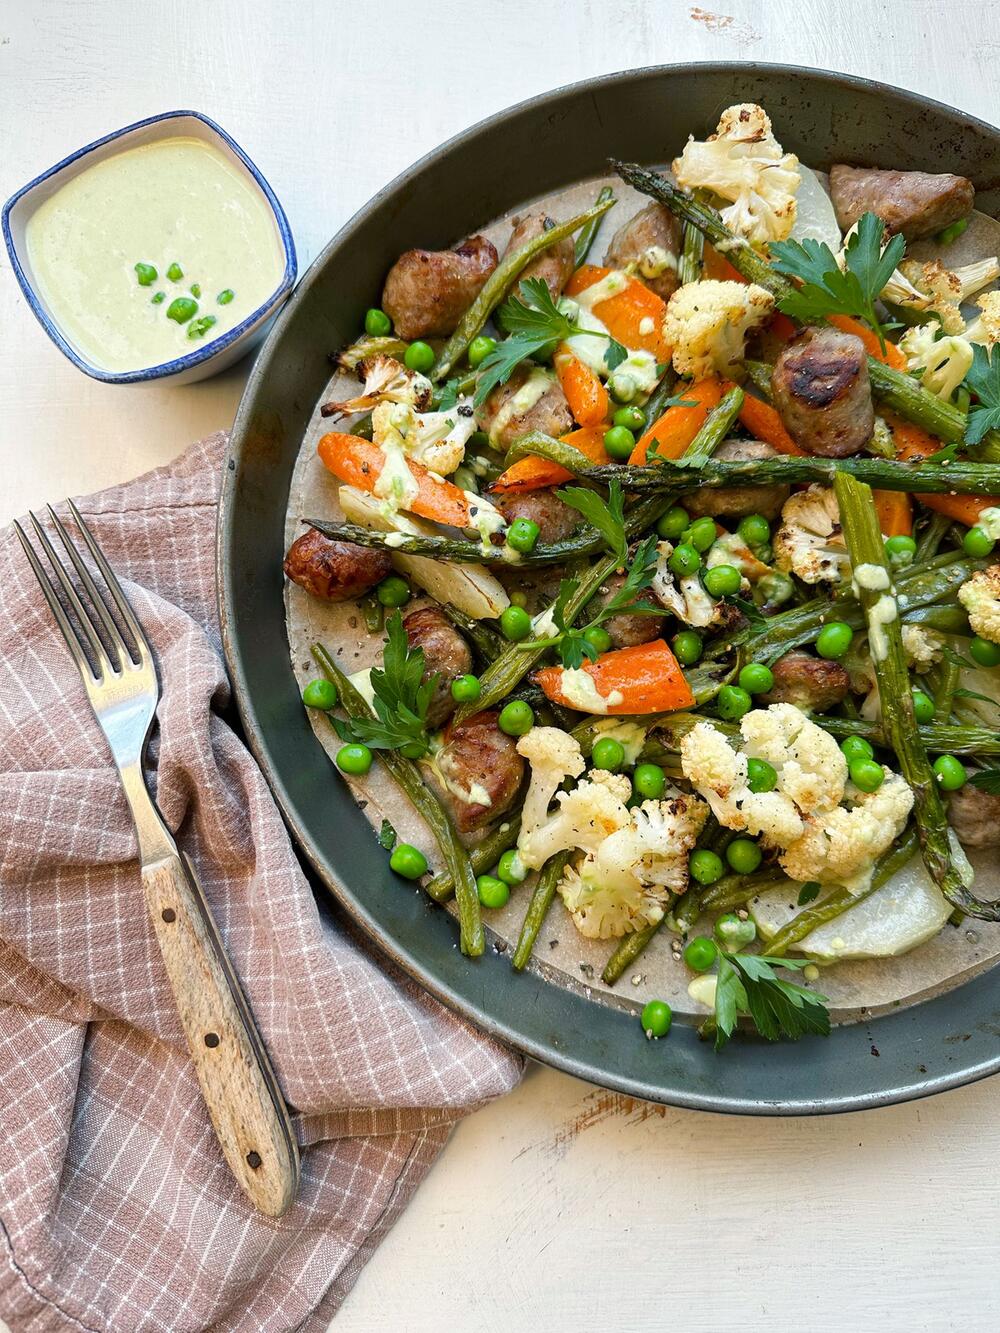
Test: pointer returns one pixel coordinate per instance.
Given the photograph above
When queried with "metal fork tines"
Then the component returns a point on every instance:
(115, 662)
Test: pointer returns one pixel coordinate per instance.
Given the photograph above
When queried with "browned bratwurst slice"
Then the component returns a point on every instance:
(335, 571)
(822, 392)
(813, 684)
(553, 265)
(446, 654)
(649, 243)
(556, 521)
(914, 203)
(477, 753)
(626, 631)
(738, 501)
(975, 816)
(428, 291)
(532, 399)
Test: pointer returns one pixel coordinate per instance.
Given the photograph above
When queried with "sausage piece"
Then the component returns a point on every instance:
(626, 631)
(822, 392)
(813, 684)
(648, 243)
(478, 754)
(428, 291)
(738, 501)
(446, 654)
(556, 520)
(335, 571)
(532, 399)
(975, 816)
(553, 265)
(914, 203)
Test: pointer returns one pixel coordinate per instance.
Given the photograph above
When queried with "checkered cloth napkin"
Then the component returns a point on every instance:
(117, 1211)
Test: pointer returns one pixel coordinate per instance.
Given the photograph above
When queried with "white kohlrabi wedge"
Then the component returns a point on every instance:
(907, 911)
(815, 216)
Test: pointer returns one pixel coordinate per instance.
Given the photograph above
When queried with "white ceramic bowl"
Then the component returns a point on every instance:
(213, 356)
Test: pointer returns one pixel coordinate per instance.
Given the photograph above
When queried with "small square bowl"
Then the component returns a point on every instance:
(213, 356)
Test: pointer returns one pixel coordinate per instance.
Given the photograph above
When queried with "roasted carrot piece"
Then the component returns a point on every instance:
(718, 267)
(895, 513)
(358, 462)
(913, 441)
(783, 328)
(647, 677)
(892, 356)
(763, 423)
(678, 426)
(586, 395)
(531, 474)
(626, 316)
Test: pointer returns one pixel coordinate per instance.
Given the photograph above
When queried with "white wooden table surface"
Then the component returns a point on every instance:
(561, 1207)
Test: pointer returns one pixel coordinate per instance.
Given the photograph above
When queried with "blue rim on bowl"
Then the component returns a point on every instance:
(212, 349)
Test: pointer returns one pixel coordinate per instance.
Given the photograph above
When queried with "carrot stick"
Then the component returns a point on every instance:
(763, 423)
(586, 395)
(895, 513)
(892, 356)
(531, 473)
(678, 426)
(628, 313)
(359, 463)
(647, 677)
(913, 441)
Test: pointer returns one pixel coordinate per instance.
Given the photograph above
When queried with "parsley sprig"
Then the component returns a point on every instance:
(748, 984)
(984, 381)
(401, 698)
(829, 290)
(535, 323)
(607, 516)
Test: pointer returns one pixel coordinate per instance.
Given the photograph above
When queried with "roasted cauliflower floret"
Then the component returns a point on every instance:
(588, 814)
(744, 163)
(923, 647)
(810, 542)
(942, 290)
(943, 363)
(980, 596)
(707, 324)
(810, 765)
(435, 439)
(685, 598)
(985, 328)
(843, 845)
(554, 755)
(386, 380)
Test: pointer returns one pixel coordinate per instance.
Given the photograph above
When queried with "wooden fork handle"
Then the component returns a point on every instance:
(236, 1081)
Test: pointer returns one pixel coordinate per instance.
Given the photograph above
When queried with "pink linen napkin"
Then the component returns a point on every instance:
(117, 1211)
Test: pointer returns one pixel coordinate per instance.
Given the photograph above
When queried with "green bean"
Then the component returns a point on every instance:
(759, 374)
(866, 547)
(538, 909)
(944, 694)
(689, 265)
(931, 537)
(585, 239)
(948, 619)
(905, 395)
(372, 613)
(938, 737)
(406, 774)
(656, 403)
(497, 284)
(736, 890)
(841, 899)
(628, 950)
(482, 857)
(487, 642)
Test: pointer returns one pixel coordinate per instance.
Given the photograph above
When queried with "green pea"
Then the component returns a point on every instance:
(516, 718)
(834, 639)
(705, 866)
(744, 855)
(687, 647)
(735, 933)
(756, 678)
(722, 581)
(985, 653)
(225, 296)
(952, 232)
(949, 772)
(175, 272)
(518, 598)
(354, 759)
(900, 550)
(480, 348)
(199, 327)
(419, 356)
(146, 274)
(701, 534)
(733, 702)
(320, 693)
(619, 442)
(649, 782)
(608, 754)
(632, 418)
(408, 861)
(856, 747)
(511, 868)
(761, 776)
(684, 560)
(181, 309)
(754, 529)
(866, 774)
(598, 638)
(700, 953)
(492, 892)
(515, 623)
(377, 323)
(393, 591)
(195, 290)
(466, 689)
(158, 299)
(656, 1019)
(977, 542)
(923, 706)
(673, 523)
(522, 535)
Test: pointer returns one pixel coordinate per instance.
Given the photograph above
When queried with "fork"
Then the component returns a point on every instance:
(238, 1082)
